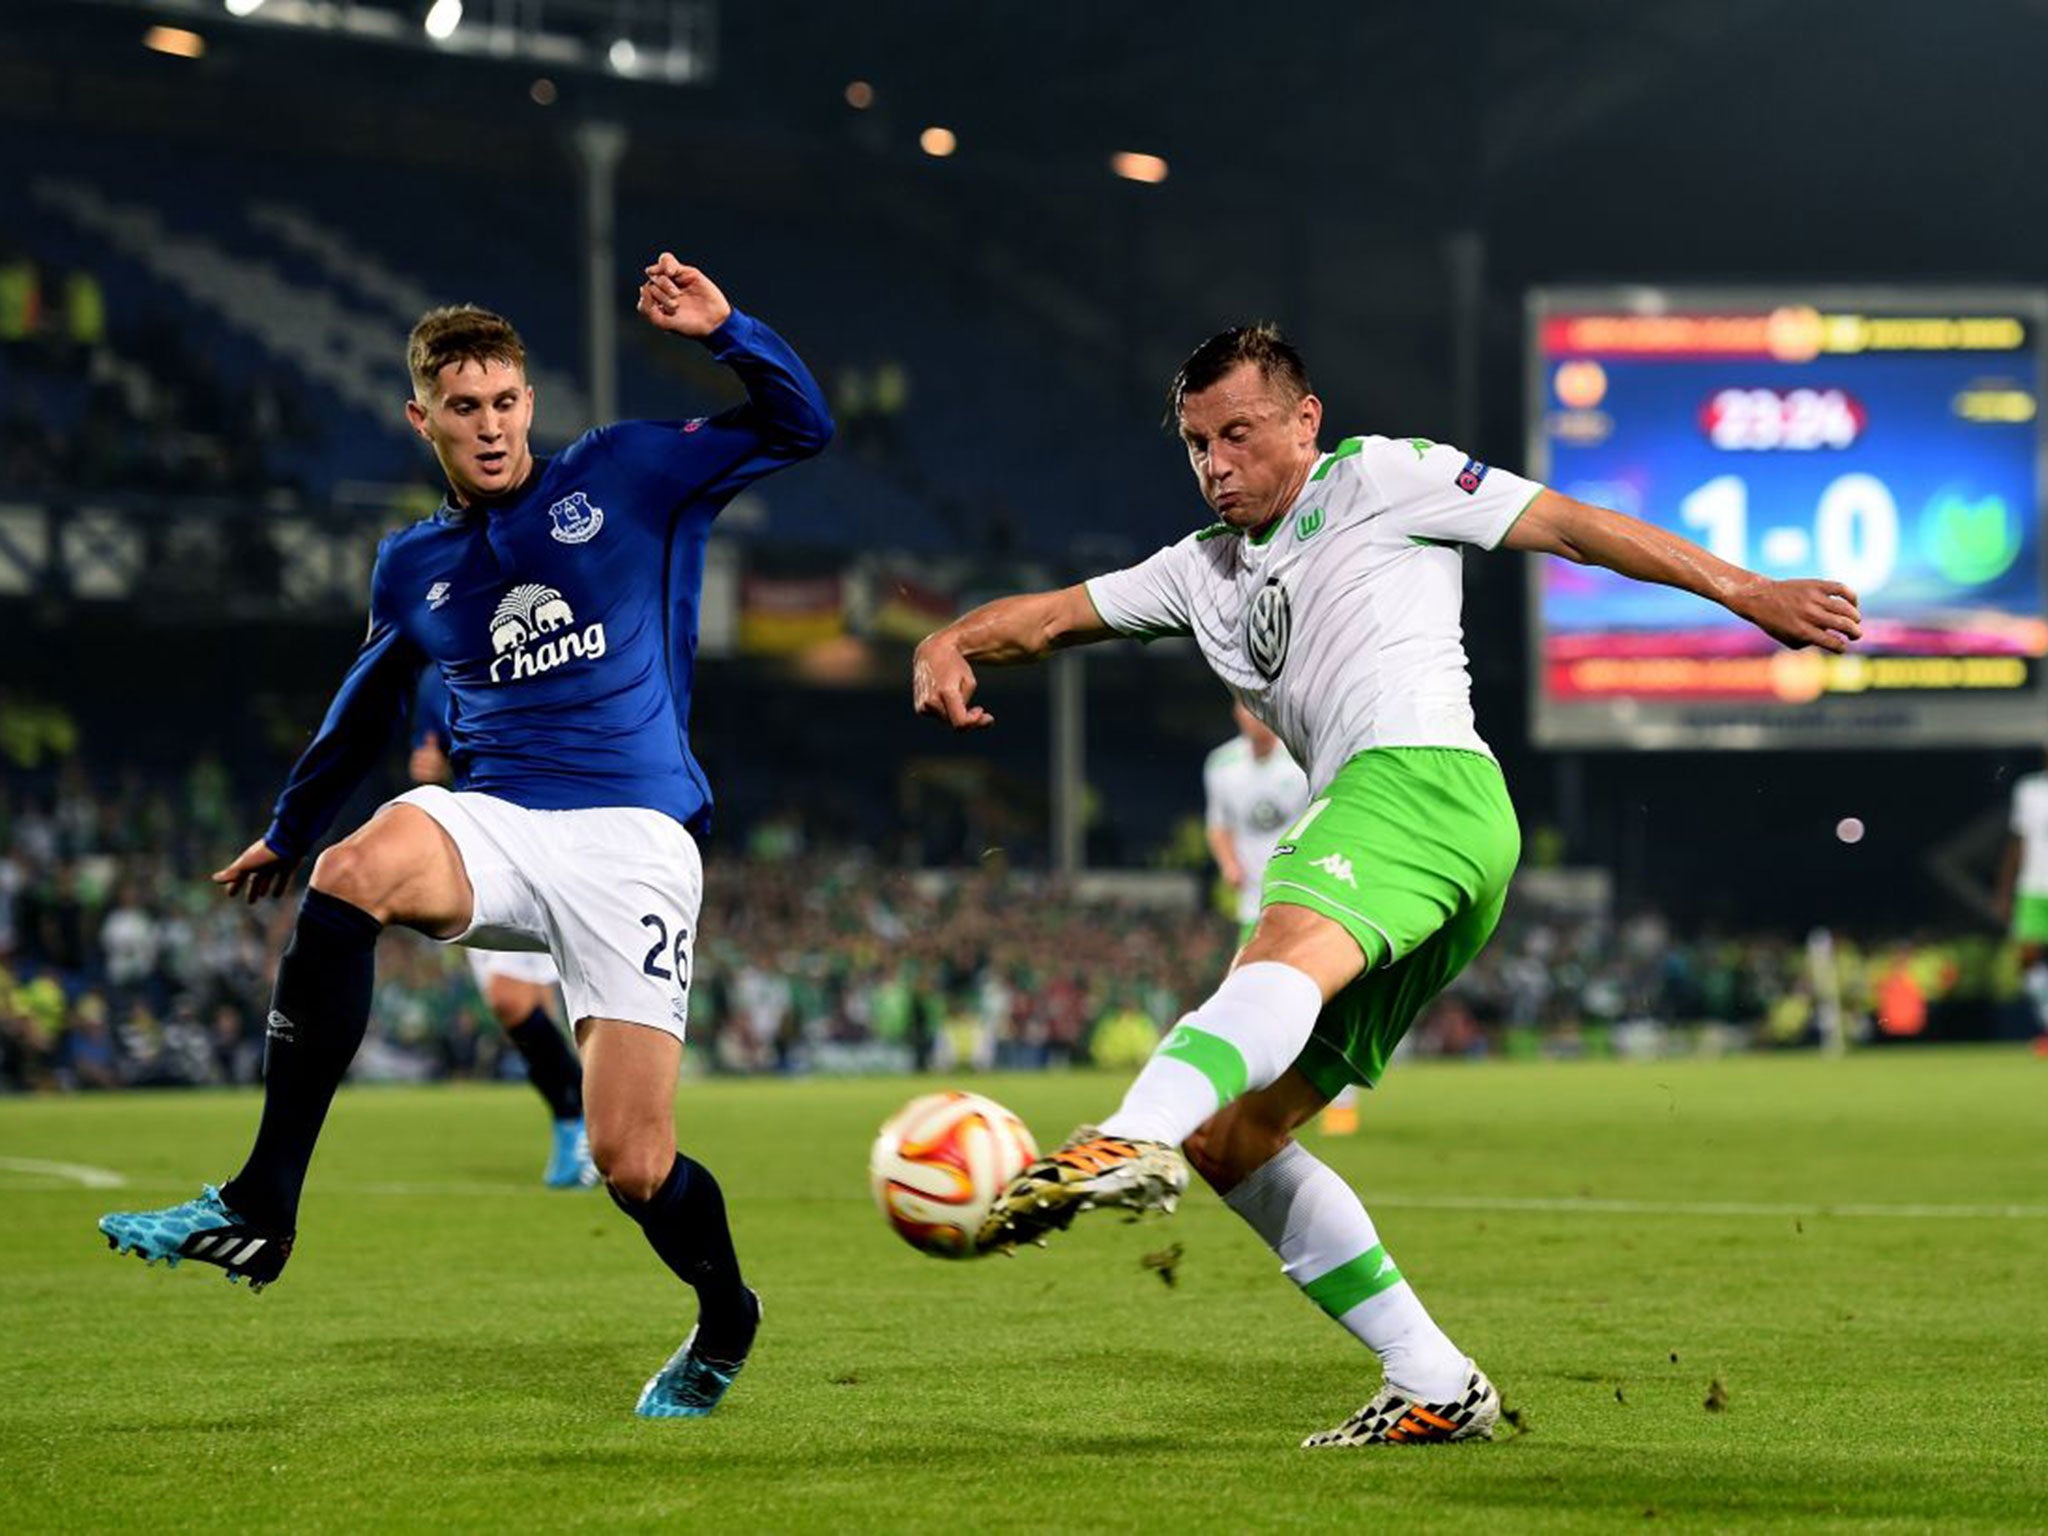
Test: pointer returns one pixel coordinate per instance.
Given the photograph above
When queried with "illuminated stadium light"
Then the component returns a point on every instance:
(860, 95)
(175, 41)
(1849, 829)
(1133, 166)
(673, 42)
(543, 92)
(443, 17)
(938, 142)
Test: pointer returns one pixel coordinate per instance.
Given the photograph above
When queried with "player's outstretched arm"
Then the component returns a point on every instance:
(1006, 632)
(1793, 613)
(785, 417)
(368, 706)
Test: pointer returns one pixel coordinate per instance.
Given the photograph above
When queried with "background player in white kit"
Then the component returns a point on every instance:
(1327, 598)
(2023, 886)
(1251, 789)
(517, 987)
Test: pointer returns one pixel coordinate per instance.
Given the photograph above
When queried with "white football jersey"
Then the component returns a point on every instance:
(1341, 626)
(2030, 826)
(1253, 799)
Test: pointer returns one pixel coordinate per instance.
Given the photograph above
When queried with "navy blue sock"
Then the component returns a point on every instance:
(318, 1014)
(552, 1067)
(685, 1224)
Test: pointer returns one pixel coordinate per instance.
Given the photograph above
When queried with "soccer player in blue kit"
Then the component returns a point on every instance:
(558, 597)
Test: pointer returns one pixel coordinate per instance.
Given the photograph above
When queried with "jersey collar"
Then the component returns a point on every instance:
(1266, 535)
(457, 516)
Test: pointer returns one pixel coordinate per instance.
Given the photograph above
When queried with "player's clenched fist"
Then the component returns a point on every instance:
(942, 686)
(1796, 613)
(678, 298)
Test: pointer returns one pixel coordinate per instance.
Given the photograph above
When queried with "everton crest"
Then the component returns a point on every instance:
(576, 520)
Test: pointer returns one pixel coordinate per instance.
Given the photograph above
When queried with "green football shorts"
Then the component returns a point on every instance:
(1411, 850)
(2030, 919)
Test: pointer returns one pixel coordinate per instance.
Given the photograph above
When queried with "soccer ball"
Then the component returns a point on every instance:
(938, 1165)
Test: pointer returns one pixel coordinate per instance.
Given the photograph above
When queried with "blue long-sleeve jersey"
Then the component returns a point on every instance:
(430, 709)
(563, 620)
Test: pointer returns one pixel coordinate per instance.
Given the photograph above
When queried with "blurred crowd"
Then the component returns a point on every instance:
(121, 966)
(88, 407)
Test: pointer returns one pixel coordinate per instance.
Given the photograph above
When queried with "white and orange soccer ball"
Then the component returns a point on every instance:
(938, 1165)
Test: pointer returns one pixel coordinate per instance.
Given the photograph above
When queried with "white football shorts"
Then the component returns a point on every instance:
(612, 893)
(513, 965)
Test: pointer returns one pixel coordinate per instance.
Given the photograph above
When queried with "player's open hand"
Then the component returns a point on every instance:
(681, 299)
(429, 762)
(258, 871)
(1799, 613)
(942, 686)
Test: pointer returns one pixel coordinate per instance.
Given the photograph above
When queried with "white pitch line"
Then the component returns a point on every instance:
(76, 1173)
(1584, 1206)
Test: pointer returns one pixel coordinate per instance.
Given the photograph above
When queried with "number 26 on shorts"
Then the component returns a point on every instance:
(661, 950)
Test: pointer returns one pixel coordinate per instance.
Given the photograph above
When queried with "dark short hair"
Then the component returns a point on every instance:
(459, 333)
(1261, 344)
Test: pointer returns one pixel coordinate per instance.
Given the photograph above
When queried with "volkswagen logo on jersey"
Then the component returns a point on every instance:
(534, 631)
(576, 520)
(1268, 626)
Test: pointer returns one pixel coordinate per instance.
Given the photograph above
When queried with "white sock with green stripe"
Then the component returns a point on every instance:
(1327, 1246)
(1242, 1038)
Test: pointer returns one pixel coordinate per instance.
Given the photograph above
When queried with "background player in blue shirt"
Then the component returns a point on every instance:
(558, 598)
(517, 989)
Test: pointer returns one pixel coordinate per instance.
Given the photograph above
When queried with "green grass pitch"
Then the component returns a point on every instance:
(1850, 1258)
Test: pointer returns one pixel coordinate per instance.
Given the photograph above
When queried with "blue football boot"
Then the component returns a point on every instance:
(691, 1385)
(569, 1164)
(203, 1229)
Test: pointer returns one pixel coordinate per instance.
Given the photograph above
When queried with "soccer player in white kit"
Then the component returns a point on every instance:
(2023, 886)
(1251, 790)
(518, 987)
(1327, 598)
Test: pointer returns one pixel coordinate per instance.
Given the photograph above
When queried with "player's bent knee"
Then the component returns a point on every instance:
(635, 1170)
(348, 873)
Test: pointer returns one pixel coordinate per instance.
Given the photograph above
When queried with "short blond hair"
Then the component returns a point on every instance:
(459, 333)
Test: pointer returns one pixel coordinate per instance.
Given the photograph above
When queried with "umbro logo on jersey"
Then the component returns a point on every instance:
(576, 520)
(278, 1027)
(1268, 626)
(1470, 476)
(437, 594)
(534, 631)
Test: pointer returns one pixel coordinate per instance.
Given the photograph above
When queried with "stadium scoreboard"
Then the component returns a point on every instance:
(1889, 440)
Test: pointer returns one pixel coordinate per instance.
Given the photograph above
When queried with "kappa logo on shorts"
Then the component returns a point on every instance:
(1268, 626)
(576, 520)
(526, 616)
(1337, 867)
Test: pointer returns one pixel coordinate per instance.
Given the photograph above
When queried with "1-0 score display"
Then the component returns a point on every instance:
(1893, 447)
